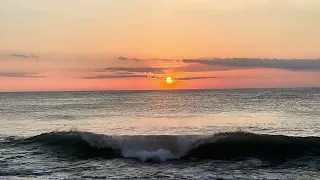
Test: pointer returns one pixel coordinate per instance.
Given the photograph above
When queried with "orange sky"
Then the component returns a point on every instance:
(134, 44)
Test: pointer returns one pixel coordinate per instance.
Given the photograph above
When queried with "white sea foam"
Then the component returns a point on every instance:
(145, 148)
(144, 155)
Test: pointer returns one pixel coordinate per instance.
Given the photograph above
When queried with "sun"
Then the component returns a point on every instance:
(169, 80)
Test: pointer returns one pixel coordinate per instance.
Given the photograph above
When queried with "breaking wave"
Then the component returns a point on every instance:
(223, 146)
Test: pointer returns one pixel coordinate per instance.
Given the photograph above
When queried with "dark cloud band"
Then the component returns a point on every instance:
(287, 64)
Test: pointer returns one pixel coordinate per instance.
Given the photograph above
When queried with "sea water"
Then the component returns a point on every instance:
(178, 134)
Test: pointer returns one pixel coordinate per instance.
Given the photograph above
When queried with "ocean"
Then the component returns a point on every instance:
(177, 134)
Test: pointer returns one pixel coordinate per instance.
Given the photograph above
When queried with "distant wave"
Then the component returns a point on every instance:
(223, 146)
(68, 117)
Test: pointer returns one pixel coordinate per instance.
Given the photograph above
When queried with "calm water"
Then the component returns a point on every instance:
(191, 134)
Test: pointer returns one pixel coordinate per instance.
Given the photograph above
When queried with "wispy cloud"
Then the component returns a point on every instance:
(196, 78)
(123, 73)
(287, 64)
(123, 58)
(135, 69)
(125, 76)
(158, 70)
(19, 75)
(115, 76)
(24, 56)
(19, 55)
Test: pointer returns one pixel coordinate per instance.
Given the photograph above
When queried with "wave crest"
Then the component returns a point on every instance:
(223, 146)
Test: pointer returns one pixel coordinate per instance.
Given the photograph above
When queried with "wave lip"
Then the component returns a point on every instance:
(223, 146)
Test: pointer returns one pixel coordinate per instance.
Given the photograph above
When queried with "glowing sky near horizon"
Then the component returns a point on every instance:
(136, 44)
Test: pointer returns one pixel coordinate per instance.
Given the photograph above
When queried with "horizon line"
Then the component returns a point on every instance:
(137, 90)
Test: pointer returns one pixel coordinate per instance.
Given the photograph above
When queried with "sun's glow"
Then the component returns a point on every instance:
(169, 80)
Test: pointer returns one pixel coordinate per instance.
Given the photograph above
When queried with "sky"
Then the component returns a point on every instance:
(56, 45)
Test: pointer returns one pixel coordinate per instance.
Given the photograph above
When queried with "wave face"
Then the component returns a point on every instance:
(223, 146)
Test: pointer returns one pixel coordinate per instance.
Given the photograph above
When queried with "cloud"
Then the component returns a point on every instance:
(115, 76)
(196, 78)
(19, 75)
(287, 64)
(135, 69)
(123, 73)
(161, 71)
(24, 56)
(222, 64)
(34, 56)
(169, 60)
(19, 55)
(127, 75)
(123, 58)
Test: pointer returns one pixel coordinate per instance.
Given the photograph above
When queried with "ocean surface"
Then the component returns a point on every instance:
(180, 134)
